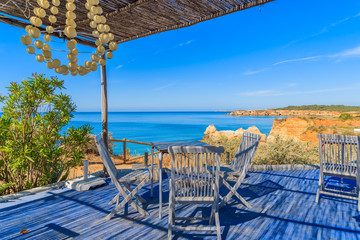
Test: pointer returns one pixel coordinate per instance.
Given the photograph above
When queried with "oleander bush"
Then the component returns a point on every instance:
(36, 147)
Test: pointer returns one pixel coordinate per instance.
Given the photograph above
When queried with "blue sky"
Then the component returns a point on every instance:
(289, 53)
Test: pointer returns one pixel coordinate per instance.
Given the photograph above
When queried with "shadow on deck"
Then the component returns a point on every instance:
(283, 208)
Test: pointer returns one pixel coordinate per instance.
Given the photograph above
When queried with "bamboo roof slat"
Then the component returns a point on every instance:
(130, 19)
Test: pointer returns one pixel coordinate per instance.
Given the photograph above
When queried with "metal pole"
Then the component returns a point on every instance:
(104, 108)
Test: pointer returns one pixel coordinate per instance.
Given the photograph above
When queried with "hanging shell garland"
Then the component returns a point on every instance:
(101, 31)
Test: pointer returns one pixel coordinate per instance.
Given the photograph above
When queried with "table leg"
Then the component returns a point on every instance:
(160, 185)
(152, 172)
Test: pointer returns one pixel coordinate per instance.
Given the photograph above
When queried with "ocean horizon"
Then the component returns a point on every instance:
(158, 126)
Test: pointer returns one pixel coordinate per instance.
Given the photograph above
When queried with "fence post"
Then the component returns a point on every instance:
(124, 150)
(227, 158)
(146, 158)
(86, 169)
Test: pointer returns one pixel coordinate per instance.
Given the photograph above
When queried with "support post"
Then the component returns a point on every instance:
(227, 158)
(146, 159)
(86, 170)
(124, 150)
(104, 109)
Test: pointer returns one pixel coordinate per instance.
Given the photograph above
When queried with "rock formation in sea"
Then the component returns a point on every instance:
(213, 134)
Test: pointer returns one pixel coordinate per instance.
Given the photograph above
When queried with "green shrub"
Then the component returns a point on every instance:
(230, 145)
(35, 149)
(284, 151)
(317, 129)
(272, 153)
(345, 116)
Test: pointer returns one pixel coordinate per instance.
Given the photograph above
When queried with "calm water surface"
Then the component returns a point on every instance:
(166, 126)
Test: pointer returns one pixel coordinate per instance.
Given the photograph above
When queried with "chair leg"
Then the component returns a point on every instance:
(212, 215)
(233, 191)
(320, 187)
(170, 232)
(171, 211)
(128, 187)
(115, 199)
(127, 199)
(217, 223)
(171, 222)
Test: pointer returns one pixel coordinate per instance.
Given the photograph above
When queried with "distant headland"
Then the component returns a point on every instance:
(305, 110)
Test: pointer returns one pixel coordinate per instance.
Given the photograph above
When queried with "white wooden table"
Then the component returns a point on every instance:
(162, 147)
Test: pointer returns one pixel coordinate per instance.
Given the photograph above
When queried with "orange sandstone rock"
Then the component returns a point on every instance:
(304, 130)
(212, 133)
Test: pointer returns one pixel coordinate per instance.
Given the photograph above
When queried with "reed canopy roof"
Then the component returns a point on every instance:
(129, 19)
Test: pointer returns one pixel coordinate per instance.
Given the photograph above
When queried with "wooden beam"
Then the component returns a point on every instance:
(104, 108)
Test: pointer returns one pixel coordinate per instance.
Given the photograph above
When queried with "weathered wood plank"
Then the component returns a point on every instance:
(283, 206)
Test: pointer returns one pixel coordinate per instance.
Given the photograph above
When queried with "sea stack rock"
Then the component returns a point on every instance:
(213, 134)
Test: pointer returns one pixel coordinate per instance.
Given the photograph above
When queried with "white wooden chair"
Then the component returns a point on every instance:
(239, 166)
(127, 179)
(194, 180)
(339, 157)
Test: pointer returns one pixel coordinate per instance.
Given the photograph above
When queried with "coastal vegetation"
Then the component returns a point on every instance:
(337, 108)
(309, 111)
(36, 148)
(286, 151)
(346, 116)
(281, 151)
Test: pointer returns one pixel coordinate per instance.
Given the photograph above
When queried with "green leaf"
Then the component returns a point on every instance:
(6, 186)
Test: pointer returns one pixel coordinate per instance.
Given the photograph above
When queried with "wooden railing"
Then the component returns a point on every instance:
(146, 155)
(124, 141)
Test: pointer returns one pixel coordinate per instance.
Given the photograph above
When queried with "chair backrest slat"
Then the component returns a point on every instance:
(339, 153)
(195, 171)
(105, 157)
(246, 152)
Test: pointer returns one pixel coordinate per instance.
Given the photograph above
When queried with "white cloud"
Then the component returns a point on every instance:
(256, 71)
(297, 60)
(276, 93)
(120, 66)
(324, 29)
(165, 86)
(291, 84)
(185, 43)
(353, 52)
(258, 93)
(342, 20)
(347, 53)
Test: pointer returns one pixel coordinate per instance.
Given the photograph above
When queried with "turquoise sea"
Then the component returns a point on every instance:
(166, 126)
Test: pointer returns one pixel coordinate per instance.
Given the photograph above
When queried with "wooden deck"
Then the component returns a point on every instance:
(284, 208)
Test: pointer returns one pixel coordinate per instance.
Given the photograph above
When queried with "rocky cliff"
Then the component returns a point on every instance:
(302, 129)
(285, 113)
(298, 129)
(213, 134)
